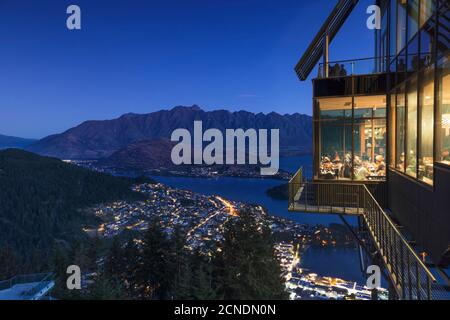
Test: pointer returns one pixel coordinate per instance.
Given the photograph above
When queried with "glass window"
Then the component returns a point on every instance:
(370, 149)
(413, 18)
(413, 55)
(401, 24)
(426, 100)
(443, 121)
(411, 136)
(400, 134)
(427, 39)
(383, 42)
(335, 108)
(443, 44)
(392, 126)
(351, 147)
(401, 67)
(335, 150)
(370, 106)
(393, 28)
(427, 8)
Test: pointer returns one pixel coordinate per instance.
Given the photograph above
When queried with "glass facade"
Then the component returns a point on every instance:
(426, 133)
(356, 133)
(352, 143)
(420, 95)
(392, 127)
(443, 123)
(443, 85)
(413, 18)
(400, 125)
(401, 24)
(411, 125)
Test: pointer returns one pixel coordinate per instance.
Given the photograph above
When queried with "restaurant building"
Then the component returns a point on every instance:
(382, 140)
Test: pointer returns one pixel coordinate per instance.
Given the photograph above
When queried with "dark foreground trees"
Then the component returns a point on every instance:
(242, 266)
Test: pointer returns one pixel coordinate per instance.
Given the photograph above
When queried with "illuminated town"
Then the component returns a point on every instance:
(203, 218)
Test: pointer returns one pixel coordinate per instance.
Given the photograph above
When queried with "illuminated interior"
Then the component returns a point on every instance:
(353, 137)
(443, 143)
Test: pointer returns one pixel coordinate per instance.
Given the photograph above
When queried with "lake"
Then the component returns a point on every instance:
(337, 262)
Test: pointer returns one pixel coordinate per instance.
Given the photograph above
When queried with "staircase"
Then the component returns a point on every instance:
(409, 276)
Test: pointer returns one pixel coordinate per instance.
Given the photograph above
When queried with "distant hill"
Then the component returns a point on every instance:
(40, 202)
(142, 155)
(100, 139)
(14, 142)
(155, 155)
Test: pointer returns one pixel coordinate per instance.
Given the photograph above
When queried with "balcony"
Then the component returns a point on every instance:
(408, 275)
(354, 67)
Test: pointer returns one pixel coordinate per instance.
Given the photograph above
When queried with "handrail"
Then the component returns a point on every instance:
(352, 60)
(41, 285)
(408, 273)
(298, 175)
(24, 278)
(401, 236)
(362, 63)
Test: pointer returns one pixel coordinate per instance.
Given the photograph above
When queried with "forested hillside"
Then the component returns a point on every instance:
(41, 202)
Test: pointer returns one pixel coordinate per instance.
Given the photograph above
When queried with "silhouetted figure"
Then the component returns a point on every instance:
(342, 71)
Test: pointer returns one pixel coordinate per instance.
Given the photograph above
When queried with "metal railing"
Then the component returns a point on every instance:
(340, 198)
(44, 283)
(295, 183)
(40, 278)
(410, 277)
(353, 67)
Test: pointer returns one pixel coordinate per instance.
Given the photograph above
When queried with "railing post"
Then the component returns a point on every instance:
(409, 277)
(305, 190)
(418, 282)
(326, 56)
(318, 196)
(402, 266)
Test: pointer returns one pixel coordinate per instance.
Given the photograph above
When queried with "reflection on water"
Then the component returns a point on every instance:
(334, 262)
(338, 262)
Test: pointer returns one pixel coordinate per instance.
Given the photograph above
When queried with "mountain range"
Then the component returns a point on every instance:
(101, 139)
(14, 142)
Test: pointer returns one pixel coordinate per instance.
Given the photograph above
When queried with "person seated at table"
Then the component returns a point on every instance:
(347, 169)
(380, 165)
(337, 165)
(327, 171)
(401, 162)
(361, 172)
(445, 155)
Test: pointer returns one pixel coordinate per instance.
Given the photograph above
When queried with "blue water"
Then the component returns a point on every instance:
(337, 262)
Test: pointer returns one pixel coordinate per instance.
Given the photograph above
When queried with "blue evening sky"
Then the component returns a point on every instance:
(142, 56)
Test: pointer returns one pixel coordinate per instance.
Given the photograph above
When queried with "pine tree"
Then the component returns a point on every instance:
(105, 288)
(179, 265)
(246, 267)
(9, 265)
(132, 261)
(202, 278)
(60, 262)
(154, 275)
(114, 266)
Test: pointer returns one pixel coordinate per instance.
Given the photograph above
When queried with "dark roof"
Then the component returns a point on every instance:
(331, 27)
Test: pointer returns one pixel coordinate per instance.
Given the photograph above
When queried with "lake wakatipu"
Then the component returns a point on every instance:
(337, 262)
